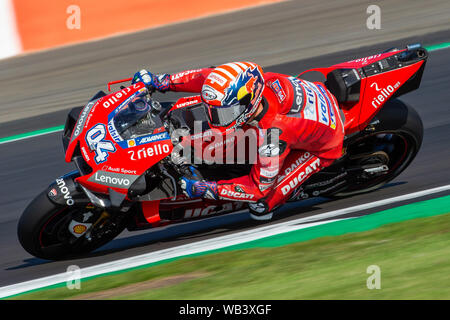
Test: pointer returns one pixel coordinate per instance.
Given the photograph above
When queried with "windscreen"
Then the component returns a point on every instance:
(134, 119)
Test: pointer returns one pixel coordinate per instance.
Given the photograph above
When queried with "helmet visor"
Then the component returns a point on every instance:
(224, 116)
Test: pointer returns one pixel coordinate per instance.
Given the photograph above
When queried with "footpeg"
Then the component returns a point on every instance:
(380, 169)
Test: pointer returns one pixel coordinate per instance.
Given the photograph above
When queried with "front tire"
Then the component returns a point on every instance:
(43, 231)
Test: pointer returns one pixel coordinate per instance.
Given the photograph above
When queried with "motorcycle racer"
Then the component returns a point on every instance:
(299, 122)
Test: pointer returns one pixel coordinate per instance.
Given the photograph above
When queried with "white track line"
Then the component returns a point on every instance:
(209, 244)
(30, 136)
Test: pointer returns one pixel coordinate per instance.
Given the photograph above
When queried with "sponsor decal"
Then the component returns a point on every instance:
(330, 108)
(384, 93)
(131, 143)
(276, 86)
(292, 183)
(309, 112)
(272, 145)
(323, 118)
(81, 120)
(268, 173)
(297, 102)
(95, 140)
(187, 103)
(208, 93)
(178, 75)
(52, 193)
(113, 179)
(323, 109)
(365, 59)
(302, 159)
(114, 98)
(235, 195)
(78, 228)
(152, 138)
(205, 134)
(269, 150)
(65, 191)
(89, 117)
(113, 131)
(118, 170)
(85, 154)
(199, 212)
(266, 180)
(147, 152)
(217, 78)
(144, 140)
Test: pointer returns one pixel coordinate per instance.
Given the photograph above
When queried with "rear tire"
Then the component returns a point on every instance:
(402, 122)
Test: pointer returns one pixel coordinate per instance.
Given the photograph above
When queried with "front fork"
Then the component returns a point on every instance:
(94, 210)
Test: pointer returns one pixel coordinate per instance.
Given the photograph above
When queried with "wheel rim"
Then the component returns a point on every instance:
(400, 148)
(54, 235)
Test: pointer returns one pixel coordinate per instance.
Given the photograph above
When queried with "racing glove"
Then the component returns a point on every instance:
(159, 82)
(194, 187)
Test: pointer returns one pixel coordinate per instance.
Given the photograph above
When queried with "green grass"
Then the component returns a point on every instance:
(414, 257)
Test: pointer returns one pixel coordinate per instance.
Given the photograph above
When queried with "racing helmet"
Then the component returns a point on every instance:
(232, 92)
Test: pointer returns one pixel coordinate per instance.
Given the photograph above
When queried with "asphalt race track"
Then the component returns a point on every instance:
(28, 166)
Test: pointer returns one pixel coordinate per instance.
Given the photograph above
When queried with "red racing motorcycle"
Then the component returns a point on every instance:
(125, 175)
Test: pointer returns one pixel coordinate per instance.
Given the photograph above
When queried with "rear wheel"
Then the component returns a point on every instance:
(55, 232)
(389, 148)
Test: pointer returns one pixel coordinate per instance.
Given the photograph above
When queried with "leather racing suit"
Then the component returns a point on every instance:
(309, 130)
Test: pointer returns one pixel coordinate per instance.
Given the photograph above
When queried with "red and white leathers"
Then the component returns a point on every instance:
(306, 119)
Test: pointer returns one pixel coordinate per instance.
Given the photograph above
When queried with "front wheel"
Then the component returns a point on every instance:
(392, 144)
(54, 232)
